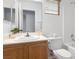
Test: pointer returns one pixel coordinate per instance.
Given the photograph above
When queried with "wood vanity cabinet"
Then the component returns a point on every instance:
(38, 51)
(13, 52)
(31, 50)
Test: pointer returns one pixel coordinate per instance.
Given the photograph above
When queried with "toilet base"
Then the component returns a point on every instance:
(60, 56)
(52, 57)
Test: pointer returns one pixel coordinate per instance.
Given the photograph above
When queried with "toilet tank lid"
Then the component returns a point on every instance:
(63, 52)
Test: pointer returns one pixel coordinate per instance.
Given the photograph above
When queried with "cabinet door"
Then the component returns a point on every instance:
(38, 51)
(26, 52)
(13, 52)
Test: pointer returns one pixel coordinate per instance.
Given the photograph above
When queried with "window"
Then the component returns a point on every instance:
(52, 7)
(7, 15)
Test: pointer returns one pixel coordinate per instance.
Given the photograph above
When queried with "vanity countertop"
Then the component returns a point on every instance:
(19, 38)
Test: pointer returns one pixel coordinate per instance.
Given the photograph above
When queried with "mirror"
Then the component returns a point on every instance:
(52, 7)
(9, 15)
(32, 15)
(24, 14)
(27, 14)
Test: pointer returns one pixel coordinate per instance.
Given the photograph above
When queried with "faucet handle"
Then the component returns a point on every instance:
(72, 37)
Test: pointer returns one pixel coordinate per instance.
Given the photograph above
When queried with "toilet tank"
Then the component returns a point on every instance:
(55, 44)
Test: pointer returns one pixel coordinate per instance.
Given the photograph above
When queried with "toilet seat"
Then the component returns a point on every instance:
(63, 53)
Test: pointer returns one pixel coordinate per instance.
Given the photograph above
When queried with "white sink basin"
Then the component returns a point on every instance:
(23, 37)
(33, 37)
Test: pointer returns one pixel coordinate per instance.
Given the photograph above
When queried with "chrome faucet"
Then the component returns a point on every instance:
(27, 35)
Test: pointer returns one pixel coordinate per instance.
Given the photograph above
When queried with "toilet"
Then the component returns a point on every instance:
(62, 54)
(56, 45)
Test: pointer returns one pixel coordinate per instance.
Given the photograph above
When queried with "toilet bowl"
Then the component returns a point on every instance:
(62, 54)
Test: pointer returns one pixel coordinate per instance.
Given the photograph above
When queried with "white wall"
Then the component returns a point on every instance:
(52, 23)
(69, 19)
(35, 6)
(63, 24)
(6, 27)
